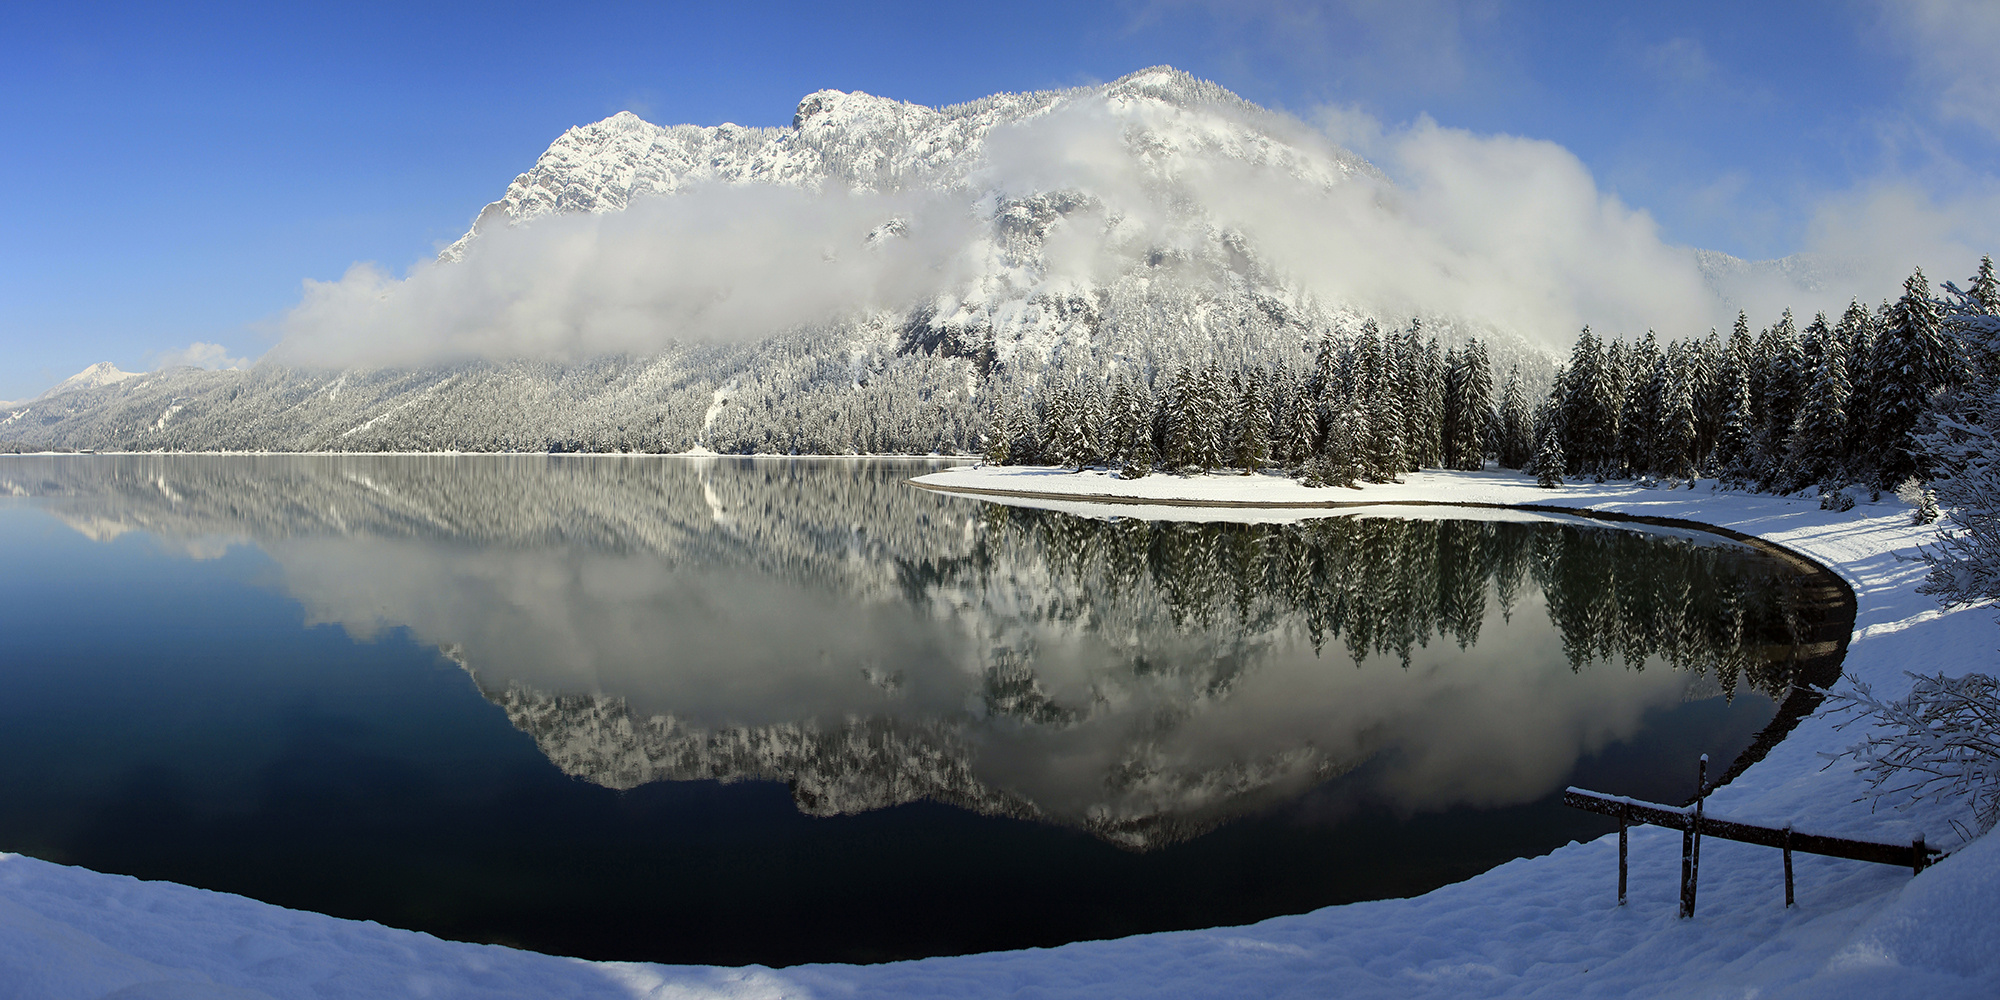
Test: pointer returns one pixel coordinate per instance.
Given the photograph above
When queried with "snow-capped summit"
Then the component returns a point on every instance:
(96, 376)
(862, 142)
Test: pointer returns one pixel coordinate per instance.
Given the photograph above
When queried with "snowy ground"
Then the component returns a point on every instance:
(1545, 926)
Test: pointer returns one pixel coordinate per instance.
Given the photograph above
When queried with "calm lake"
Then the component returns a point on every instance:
(735, 711)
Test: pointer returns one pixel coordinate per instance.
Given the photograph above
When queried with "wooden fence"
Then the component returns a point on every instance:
(1694, 824)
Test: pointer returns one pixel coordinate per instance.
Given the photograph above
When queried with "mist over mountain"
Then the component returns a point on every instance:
(872, 277)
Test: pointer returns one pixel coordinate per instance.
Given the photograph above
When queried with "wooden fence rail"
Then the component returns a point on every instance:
(1694, 824)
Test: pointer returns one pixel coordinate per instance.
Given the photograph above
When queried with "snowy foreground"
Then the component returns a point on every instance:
(1545, 926)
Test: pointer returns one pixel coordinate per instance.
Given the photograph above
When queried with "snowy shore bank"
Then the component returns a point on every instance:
(1545, 926)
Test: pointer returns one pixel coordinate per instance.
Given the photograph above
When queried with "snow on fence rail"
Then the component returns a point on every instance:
(1694, 824)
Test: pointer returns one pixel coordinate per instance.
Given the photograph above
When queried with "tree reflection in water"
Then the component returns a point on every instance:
(868, 644)
(1387, 586)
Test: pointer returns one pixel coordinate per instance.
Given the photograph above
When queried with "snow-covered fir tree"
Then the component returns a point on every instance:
(1517, 441)
(1816, 452)
(1912, 360)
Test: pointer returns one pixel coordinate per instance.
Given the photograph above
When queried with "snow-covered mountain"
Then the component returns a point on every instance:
(100, 374)
(1093, 232)
(860, 142)
(96, 376)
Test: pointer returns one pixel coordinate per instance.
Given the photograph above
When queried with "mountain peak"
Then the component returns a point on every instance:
(96, 376)
(1172, 86)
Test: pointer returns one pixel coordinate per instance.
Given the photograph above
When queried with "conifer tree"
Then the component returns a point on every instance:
(1734, 444)
(1775, 390)
(1673, 437)
(1640, 414)
(1618, 365)
(1816, 453)
(1141, 461)
(1516, 423)
(1410, 389)
(1342, 459)
(1454, 391)
(1549, 462)
(1984, 291)
(1000, 435)
(1121, 425)
(1212, 399)
(1474, 406)
(1587, 414)
(1387, 455)
(1178, 411)
(1430, 427)
(1912, 359)
(1856, 331)
(1301, 432)
(1253, 423)
(1711, 398)
(1067, 430)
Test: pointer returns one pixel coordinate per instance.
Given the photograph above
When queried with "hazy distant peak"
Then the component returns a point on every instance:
(1810, 271)
(96, 376)
(1762, 287)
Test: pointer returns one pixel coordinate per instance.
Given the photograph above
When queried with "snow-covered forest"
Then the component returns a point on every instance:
(1874, 400)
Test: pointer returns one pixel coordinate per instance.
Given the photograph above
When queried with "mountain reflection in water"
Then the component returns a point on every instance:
(820, 624)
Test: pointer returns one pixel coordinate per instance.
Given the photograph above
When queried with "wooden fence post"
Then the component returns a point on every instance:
(1687, 862)
(1788, 866)
(1694, 831)
(1624, 820)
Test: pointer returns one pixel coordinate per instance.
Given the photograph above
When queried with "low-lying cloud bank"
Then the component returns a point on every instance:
(718, 263)
(200, 354)
(1504, 232)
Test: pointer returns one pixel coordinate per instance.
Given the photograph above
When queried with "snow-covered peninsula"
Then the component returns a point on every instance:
(1546, 926)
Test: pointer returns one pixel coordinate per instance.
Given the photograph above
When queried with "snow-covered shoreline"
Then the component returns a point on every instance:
(1540, 926)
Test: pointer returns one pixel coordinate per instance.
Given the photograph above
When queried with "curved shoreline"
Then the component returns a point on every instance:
(1830, 606)
(1543, 925)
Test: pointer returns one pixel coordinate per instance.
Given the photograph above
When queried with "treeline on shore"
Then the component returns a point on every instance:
(1869, 399)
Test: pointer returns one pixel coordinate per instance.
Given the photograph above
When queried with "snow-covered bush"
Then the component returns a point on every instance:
(1832, 497)
(1939, 742)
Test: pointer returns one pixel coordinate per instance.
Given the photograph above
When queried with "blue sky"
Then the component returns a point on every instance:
(175, 173)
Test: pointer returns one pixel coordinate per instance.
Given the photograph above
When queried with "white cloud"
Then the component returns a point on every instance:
(1502, 231)
(1953, 46)
(200, 354)
(1883, 229)
(715, 263)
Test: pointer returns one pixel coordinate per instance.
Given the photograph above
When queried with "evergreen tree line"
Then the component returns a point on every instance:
(1368, 407)
(1837, 403)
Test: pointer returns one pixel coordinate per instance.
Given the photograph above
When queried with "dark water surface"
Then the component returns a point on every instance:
(733, 711)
